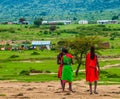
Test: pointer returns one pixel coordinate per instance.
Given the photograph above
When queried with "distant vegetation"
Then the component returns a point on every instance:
(57, 32)
(59, 9)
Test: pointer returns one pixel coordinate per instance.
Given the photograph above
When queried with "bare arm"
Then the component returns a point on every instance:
(98, 65)
(72, 61)
(58, 60)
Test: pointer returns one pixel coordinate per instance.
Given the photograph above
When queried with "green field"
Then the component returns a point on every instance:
(10, 68)
(12, 63)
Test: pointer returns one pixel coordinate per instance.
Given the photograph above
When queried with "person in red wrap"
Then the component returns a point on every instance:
(59, 58)
(92, 69)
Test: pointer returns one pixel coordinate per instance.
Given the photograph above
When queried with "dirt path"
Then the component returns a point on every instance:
(108, 59)
(109, 66)
(51, 90)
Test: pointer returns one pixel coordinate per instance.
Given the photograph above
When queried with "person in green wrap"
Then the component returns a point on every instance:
(67, 73)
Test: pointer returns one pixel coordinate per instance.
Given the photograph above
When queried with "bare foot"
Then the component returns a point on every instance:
(90, 93)
(95, 92)
(72, 91)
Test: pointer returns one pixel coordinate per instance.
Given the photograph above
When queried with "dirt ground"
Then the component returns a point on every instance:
(52, 90)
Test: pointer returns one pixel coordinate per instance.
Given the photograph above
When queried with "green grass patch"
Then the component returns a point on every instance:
(111, 75)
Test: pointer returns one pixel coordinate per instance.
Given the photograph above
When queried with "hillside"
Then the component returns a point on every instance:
(58, 9)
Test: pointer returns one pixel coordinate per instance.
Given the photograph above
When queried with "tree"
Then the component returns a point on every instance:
(115, 17)
(79, 46)
(74, 18)
(38, 21)
(21, 20)
(52, 28)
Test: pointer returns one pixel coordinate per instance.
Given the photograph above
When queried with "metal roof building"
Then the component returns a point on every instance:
(41, 44)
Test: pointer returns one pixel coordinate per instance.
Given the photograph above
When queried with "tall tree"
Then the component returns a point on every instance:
(52, 28)
(38, 21)
(21, 20)
(115, 17)
(79, 46)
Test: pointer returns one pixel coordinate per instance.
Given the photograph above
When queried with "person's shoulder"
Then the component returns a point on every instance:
(69, 55)
(60, 55)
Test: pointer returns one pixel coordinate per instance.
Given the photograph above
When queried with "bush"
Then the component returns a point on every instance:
(112, 38)
(14, 56)
(113, 76)
(19, 29)
(36, 71)
(101, 25)
(11, 30)
(45, 32)
(47, 71)
(26, 26)
(35, 53)
(53, 49)
(24, 73)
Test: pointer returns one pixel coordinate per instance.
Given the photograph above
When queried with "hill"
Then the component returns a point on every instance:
(58, 9)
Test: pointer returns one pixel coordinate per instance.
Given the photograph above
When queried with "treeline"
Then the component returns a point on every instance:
(59, 9)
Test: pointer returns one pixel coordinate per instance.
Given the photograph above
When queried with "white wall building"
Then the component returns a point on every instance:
(107, 22)
(83, 22)
(41, 44)
(55, 22)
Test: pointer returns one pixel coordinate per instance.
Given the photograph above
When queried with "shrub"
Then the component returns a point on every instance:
(112, 38)
(113, 76)
(14, 56)
(11, 30)
(47, 71)
(24, 73)
(36, 71)
(26, 26)
(53, 49)
(58, 33)
(35, 53)
(101, 25)
(45, 32)
(19, 29)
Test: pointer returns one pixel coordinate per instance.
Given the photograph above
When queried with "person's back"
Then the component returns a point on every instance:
(92, 69)
(91, 74)
(67, 73)
(67, 59)
(59, 57)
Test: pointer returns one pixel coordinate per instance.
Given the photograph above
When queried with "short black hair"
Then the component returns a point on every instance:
(64, 50)
(92, 51)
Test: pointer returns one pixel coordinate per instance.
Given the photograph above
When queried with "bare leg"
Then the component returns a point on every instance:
(70, 86)
(61, 83)
(90, 86)
(63, 88)
(95, 87)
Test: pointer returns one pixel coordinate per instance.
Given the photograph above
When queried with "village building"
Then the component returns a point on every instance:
(83, 22)
(13, 45)
(57, 22)
(44, 22)
(105, 45)
(10, 22)
(4, 42)
(41, 45)
(107, 22)
(25, 22)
